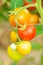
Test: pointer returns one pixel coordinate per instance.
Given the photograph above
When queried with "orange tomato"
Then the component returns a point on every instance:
(23, 17)
(34, 19)
(11, 20)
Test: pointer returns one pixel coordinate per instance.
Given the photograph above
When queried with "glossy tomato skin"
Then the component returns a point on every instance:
(34, 19)
(28, 33)
(11, 20)
(27, 3)
(24, 47)
(13, 36)
(12, 53)
(23, 17)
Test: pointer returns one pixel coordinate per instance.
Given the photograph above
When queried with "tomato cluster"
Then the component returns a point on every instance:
(24, 17)
(26, 31)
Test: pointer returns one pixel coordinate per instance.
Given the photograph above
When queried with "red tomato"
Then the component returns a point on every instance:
(27, 3)
(28, 33)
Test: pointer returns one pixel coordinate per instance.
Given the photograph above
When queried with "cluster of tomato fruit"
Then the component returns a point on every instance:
(23, 47)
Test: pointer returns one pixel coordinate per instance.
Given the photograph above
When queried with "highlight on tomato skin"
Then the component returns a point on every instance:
(24, 47)
(13, 53)
(28, 33)
(23, 17)
(34, 19)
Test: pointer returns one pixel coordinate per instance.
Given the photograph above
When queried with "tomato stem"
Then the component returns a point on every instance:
(17, 24)
(19, 39)
(11, 13)
(39, 9)
(25, 7)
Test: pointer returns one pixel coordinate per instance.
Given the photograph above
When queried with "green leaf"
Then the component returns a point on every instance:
(39, 29)
(16, 3)
(29, 0)
(36, 46)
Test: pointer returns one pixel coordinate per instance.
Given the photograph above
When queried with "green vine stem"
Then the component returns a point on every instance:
(25, 7)
(17, 24)
(38, 7)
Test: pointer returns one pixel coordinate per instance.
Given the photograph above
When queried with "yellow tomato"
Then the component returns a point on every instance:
(12, 53)
(13, 36)
(24, 47)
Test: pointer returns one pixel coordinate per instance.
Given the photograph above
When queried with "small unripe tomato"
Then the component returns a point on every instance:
(24, 47)
(12, 53)
(13, 36)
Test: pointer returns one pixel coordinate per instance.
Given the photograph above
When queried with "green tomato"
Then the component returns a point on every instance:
(12, 53)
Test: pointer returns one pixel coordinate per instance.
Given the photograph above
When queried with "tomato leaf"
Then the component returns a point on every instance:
(16, 3)
(39, 29)
(29, 0)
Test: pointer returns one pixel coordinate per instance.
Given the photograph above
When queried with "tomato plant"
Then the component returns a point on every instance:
(13, 36)
(24, 47)
(12, 53)
(23, 17)
(28, 33)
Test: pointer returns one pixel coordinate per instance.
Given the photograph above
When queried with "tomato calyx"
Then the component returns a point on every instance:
(23, 27)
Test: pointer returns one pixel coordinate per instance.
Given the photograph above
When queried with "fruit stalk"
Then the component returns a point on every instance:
(39, 9)
(17, 24)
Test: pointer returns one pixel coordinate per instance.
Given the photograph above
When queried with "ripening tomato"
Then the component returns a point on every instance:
(27, 2)
(28, 33)
(13, 36)
(24, 47)
(23, 17)
(12, 53)
(34, 19)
